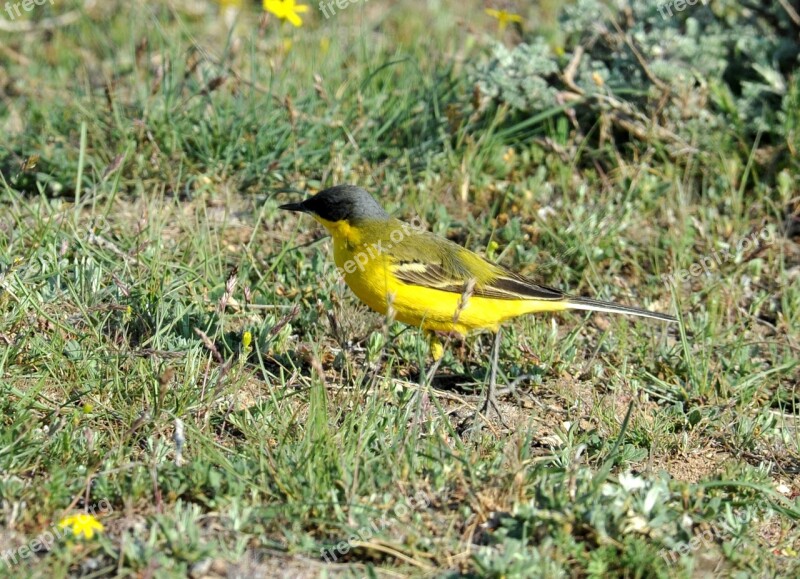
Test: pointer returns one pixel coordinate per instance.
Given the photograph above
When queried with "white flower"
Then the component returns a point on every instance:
(651, 499)
(631, 482)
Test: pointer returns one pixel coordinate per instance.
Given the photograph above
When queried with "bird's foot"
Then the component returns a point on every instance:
(489, 405)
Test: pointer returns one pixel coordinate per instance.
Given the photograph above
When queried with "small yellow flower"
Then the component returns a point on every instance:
(247, 338)
(286, 10)
(503, 17)
(81, 524)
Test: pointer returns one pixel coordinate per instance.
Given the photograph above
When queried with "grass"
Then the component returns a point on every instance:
(146, 152)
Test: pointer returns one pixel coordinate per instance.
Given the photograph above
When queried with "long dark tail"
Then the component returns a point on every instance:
(588, 304)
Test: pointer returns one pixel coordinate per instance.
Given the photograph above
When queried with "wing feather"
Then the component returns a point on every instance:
(503, 285)
(425, 260)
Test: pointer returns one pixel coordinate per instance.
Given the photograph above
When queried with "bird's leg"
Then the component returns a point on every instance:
(491, 401)
(436, 347)
(437, 353)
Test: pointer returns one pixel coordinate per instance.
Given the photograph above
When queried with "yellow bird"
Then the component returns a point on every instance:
(428, 281)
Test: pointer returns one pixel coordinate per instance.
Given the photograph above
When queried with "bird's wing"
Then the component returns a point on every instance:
(511, 286)
(433, 262)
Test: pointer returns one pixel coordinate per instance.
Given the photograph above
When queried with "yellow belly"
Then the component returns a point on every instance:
(428, 308)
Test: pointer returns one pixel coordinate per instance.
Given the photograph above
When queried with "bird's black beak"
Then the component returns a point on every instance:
(294, 207)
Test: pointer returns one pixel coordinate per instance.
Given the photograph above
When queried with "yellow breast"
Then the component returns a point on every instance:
(367, 273)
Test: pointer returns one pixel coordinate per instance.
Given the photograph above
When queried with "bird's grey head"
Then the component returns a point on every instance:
(340, 203)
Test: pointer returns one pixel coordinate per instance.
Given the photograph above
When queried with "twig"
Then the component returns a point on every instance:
(642, 62)
(569, 72)
(790, 11)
